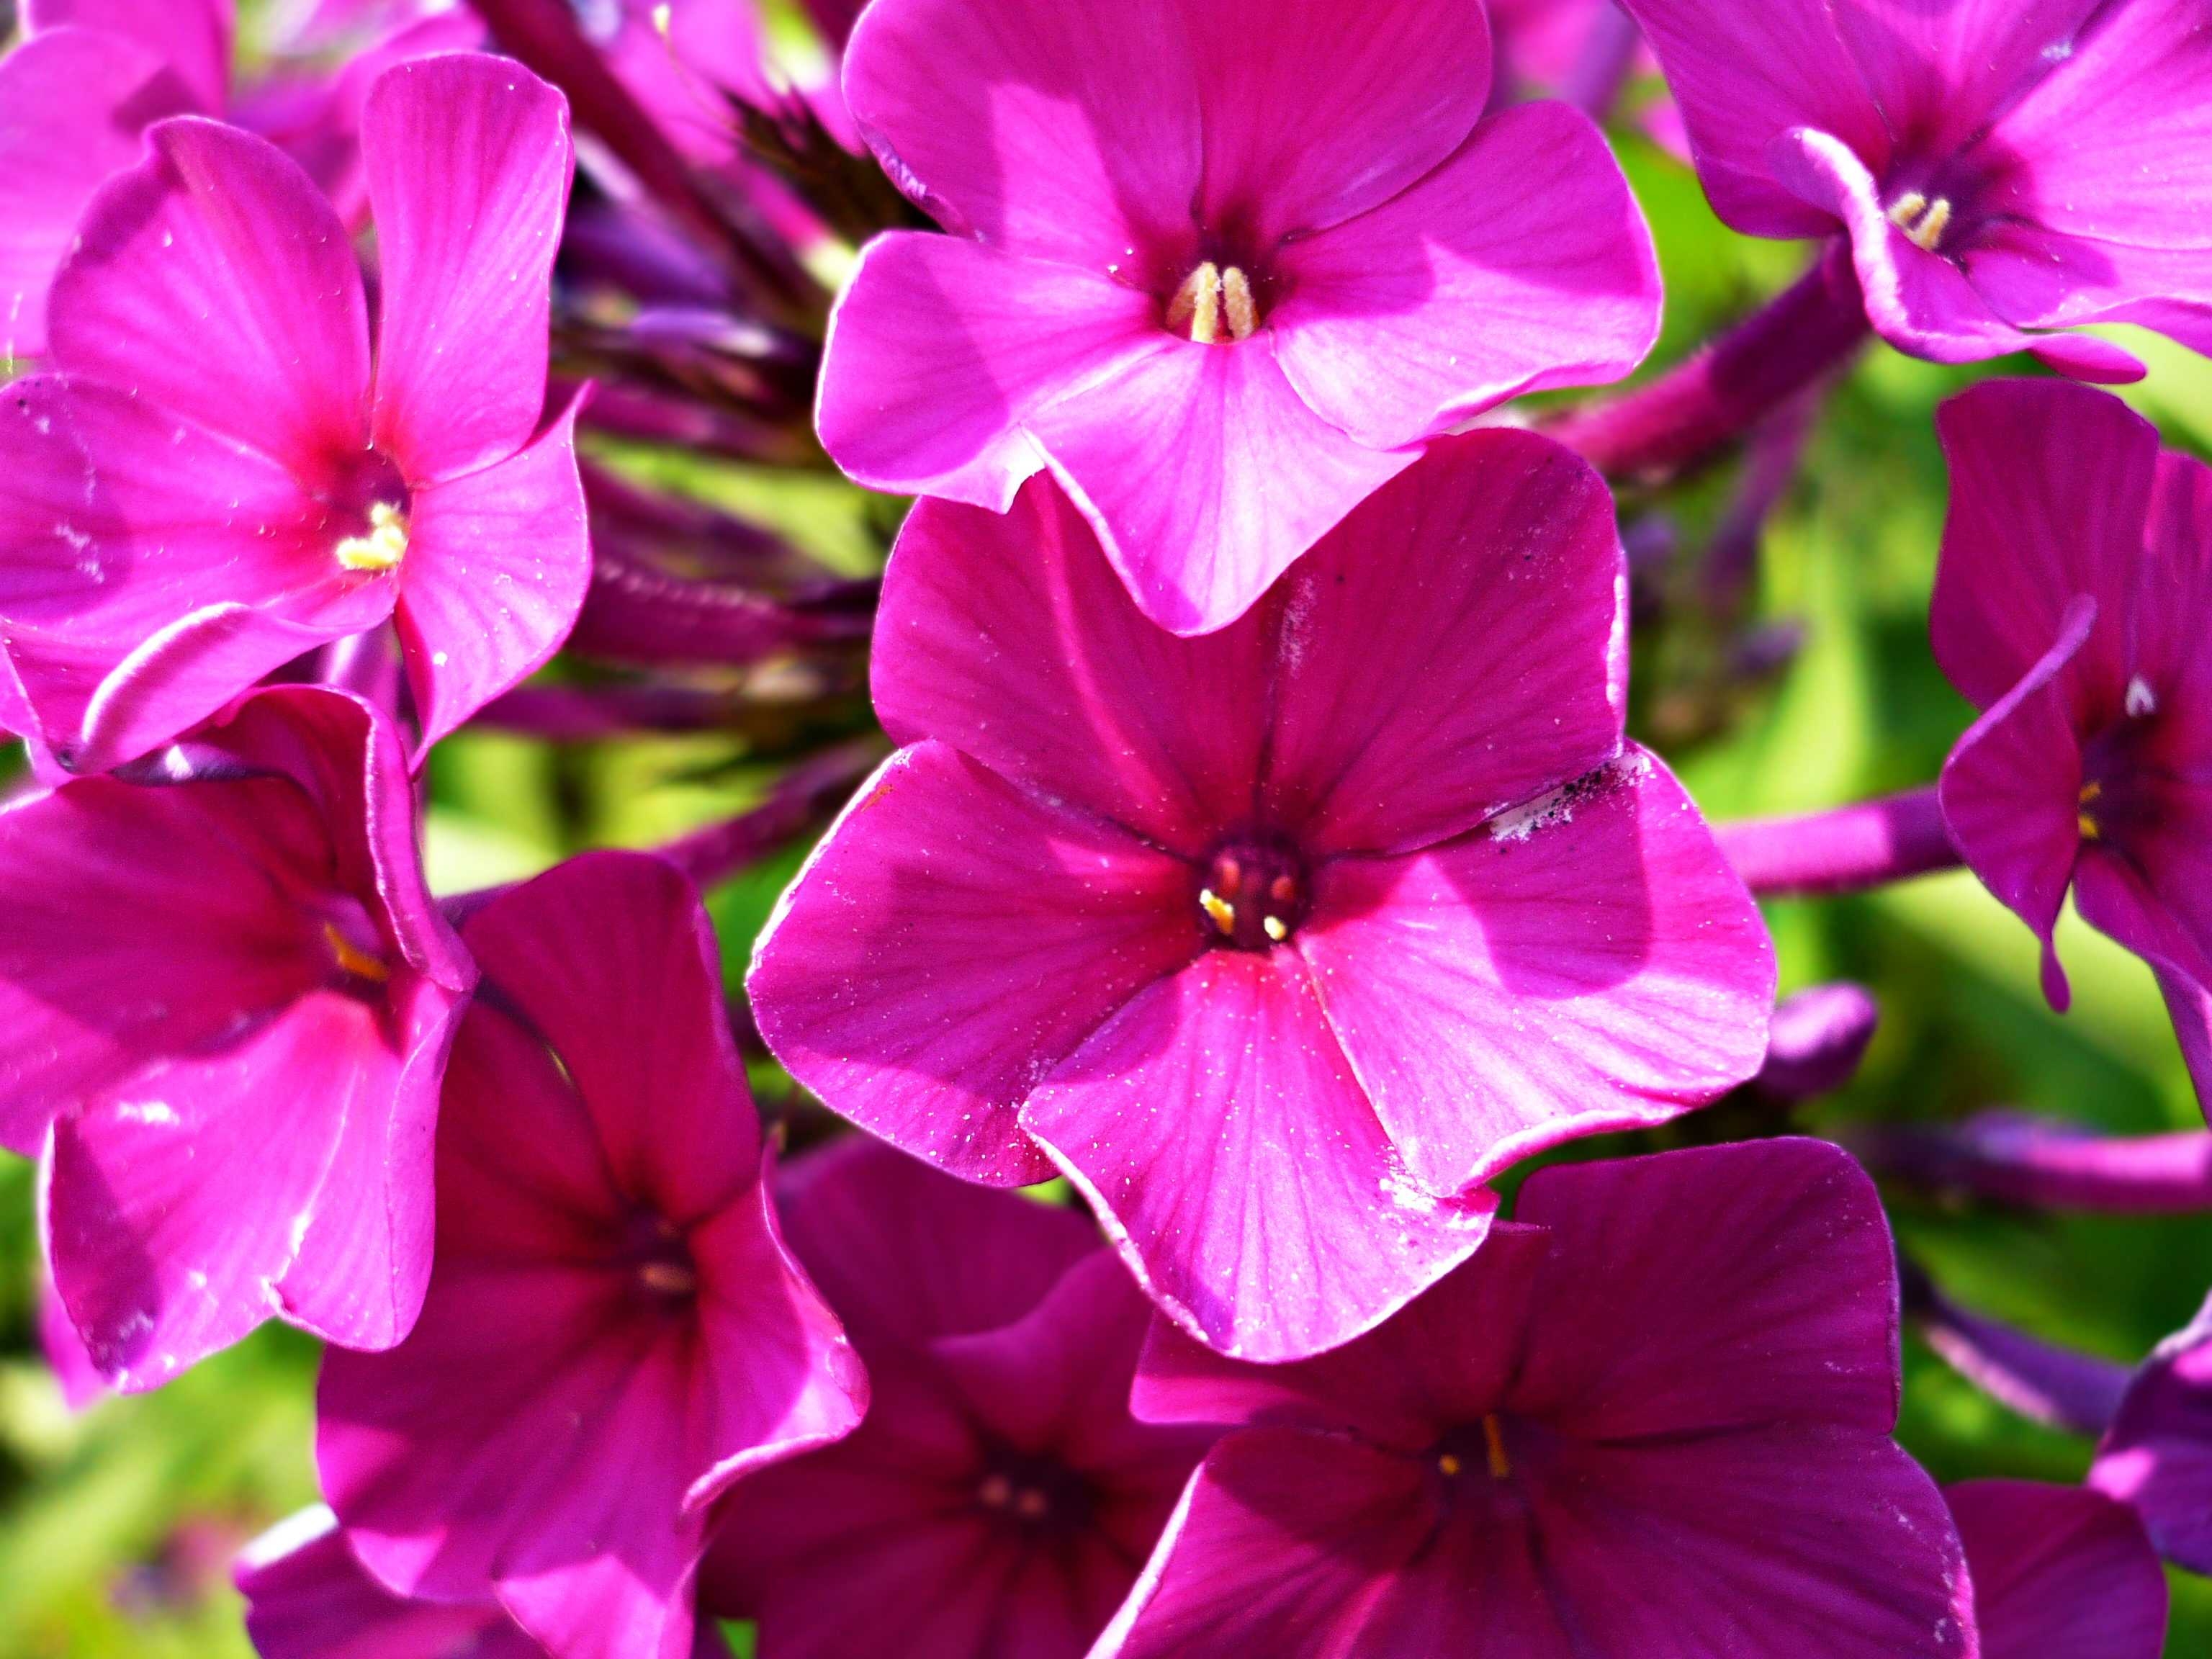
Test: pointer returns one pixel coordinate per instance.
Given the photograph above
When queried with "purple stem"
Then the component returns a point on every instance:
(1803, 333)
(1592, 85)
(1732, 556)
(1842, 851)
(2015, 1159)
(1815, 1042)
(2041, 1381)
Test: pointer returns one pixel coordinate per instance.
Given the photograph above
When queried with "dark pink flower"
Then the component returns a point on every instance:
(614, 1333)
(2074, 607)
(1655, 1424)
(998, 1499)
(2060, 1572)
(2157, 1455)
(1222, 266)
(228, 1002)
(1279, 941)
(174, 523)
(78, 1378)
(1998, 167)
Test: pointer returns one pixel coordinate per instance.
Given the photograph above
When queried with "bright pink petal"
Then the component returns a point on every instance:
(468, 160)
(192, 37)
(1780, 1302)
(1449, 650)
(1013, 640)
(219, 239)
(1315, 112)
(2011, 792)
(941, 350)
(1048, 128)
(179, 1200)
(1812, 1541)
(2060, 1572)
(1415, 317)
(1266, 1213)
(1586, 962)
(906, 1253)
(1743, 73)
(948, 944)
(2050, 486)
(1443, 1361)
(152, 570)
(1205, 474)
(496, 571)
(72, 107)
(2173, 612)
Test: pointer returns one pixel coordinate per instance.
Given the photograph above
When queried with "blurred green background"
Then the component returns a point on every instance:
(117, 1524)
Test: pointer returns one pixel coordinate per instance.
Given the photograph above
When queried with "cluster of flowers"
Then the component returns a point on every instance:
(1262, 850)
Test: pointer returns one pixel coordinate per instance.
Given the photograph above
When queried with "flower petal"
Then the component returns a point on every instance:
(1447, 651)
(218, 238)
(496, 571)
(468, 161)
(192, 37)
(948, 944)
(2157, 1453)
(2060, 1572)
(1265, 1213)
(1522, 262)
(1586, 962)
(1205, 474)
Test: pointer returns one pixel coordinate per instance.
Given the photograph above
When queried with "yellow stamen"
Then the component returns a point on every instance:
(1236, 301)
(2090, 790)
(1273, 927)
(384, 546)
(1922, 221)
(1906, 209)
(1223, 912)
(668, 1277)
(357, 962)
(2088, 826)
(1494, 1442)
(1448, 1464)
(1197, 304)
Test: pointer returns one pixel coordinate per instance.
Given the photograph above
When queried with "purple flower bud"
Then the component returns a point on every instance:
(1815, 1041)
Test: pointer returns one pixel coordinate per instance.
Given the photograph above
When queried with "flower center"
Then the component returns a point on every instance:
(1922, 221)
(385, 544)
(357, 949)
(2110, 800)
(1032, 1492)
(1215, 305)
(1476, 1447)
(1255, 895)
(657, 1254)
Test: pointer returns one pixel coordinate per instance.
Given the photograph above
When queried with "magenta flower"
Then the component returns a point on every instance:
(228, 1002)
(174, 525)
(1655, 1425)
(1280, 941)
(2074, 607)
(614, 1332)
(2157, 1455)
(998, 1499)
(1997, 167)
(1224, 268)
(2059, 1572)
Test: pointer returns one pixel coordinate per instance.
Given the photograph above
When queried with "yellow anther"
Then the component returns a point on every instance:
(1197, 304)
(1273, 927)
(1237, 302)
(2088, 826)
(357, 962)
(668, 1277)
(1283, 890)
(384, 546)
(1929, 231)
(1448, 1464)
(1223, 912)
(2090, 790)
(1922, 221)
(1906, 209)
(1494, 1442)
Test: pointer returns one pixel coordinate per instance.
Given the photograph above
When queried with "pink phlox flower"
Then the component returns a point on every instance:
(1221, 266)
(614, 1333)
(175, 524)
(2073, 606)
(78, 1378)
(998, 1498)
(1653, 1425)
(2060, 1572)
(227, 1002)
(2157, 1455)
(1998, 169)
(1280, 941)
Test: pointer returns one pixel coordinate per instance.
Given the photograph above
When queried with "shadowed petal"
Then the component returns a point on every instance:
(496, 567)
(468, 161)
(2060, 1572)
(2157, 1453)
(1521, 263)
(1587, 961)
(219, 239)
(1940, 75)
(192, 37)
(1265, 1213)
(950, 942)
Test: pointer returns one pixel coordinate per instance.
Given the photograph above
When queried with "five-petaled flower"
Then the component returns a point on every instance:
(1224, 267)
(1279, 940)
(174, 522)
